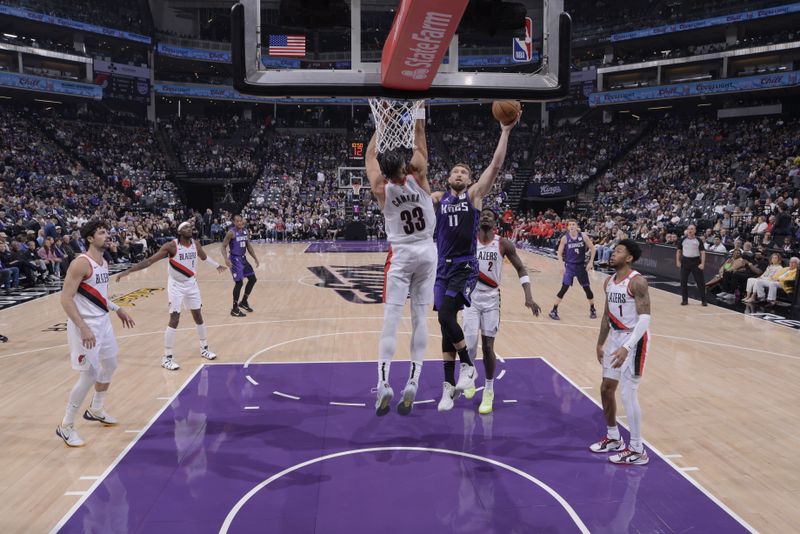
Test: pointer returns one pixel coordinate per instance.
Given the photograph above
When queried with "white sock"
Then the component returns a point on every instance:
(169, 340)
(97, 400)
(392, 314)
(383, 371)
(489, 385)
(202, 335)
(613, 432)
(85, 382)
(414, 371)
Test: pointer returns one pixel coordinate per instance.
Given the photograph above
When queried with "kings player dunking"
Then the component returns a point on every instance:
(457, 214)
(404, 196)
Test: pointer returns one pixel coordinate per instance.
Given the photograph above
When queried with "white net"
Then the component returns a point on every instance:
(394, 121)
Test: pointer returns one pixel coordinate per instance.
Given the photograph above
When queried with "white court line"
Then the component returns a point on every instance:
(226, 525)
(667, 460)
(502, 374)
(357, 404)
(133, 431)
(673, 456)
(163, 398)
(121, 455)
(587, 387)
(251, 380)
(89, 477)
(684, 469)
(509, 401)
(252, 407)
(424, 401)
(278, 393)
(75, 493)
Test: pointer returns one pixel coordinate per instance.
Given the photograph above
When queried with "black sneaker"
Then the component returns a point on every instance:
(554, 315)
(236, 312)
(245, 306)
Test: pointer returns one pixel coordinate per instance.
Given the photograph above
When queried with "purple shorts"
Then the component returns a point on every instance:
(573, 270)
(240, 268)
(454, 278)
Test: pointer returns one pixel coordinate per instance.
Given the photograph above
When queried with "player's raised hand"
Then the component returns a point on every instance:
(619, 357)
(127, 320)
(530, 303)
(510, 126)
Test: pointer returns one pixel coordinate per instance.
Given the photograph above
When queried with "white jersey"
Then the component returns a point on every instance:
(622, 314)
(92, 295)
(408, 212)
(183, 265)
(491, 266)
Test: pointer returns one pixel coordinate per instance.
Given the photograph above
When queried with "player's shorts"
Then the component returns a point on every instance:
(241, 268)
(453, 278)
(183, 295)
(410, 269)
(573, 270)
(484, 314)
(633, 367)
(105, 347)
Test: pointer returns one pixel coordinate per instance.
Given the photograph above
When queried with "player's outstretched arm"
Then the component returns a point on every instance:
(166, 250)
(225, 243)
(377, 183)
(508, 250)
(489, 175)
(419, 159)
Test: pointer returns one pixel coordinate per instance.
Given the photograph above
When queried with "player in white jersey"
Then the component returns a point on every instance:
(625, 333)
(92, 345)
(484, 315)
(404, 196)
(182, 288)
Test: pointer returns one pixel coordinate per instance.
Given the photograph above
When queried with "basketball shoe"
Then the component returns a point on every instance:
(69, 435)
(407, 402)
(466, 377)
(608, 445)
(629, 457)
(100, 417)
(486, 402)
(169, 364)
(449, 394)
(207, 354)
(384, 398)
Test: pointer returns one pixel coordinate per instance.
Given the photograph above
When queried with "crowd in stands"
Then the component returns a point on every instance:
(118, 15)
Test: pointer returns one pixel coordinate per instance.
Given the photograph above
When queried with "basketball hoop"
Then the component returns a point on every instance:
(356, 189)
(394, 122)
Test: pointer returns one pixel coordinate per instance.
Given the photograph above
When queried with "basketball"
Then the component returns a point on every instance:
(506, 111)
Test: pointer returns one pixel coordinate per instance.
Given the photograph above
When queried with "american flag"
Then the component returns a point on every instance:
(287, 45)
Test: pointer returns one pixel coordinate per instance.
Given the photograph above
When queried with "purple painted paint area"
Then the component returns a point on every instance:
(348, 246)
(205, 453)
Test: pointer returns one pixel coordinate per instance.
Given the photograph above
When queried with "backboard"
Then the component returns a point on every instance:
(276, 55)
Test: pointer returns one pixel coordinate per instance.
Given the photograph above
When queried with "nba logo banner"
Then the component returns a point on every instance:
(522, 49)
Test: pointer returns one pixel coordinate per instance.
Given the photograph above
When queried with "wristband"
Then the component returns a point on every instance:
(211, 262)
(112, 307)
(524, 280)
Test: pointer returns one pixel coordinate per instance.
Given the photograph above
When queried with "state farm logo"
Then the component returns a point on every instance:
(427, 42)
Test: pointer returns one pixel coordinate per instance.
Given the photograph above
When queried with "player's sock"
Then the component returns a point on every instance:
(392, 315)
(613, 432)
(591, 307)
(463, 356)
(489, 384)
(97, 401)
(169, 341)
(414, 371)
(636, 445)
(450, 373)
(383, 371)
(86, 380)
(555, 308)
(202, 335)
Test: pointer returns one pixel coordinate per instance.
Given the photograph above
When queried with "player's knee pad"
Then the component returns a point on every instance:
(589, 294)
(563, 291)
(106, 371)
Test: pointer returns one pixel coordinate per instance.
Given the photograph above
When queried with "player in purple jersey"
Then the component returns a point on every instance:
(572, 249)
(239, 242)
(457, 215)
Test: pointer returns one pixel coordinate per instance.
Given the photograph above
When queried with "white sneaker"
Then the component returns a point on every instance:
(207, 354)
(449, 394)
(407, 402)
(629, 457)
(70, 436)
(466, 377)
(608, 445)
(168, 363)
(384, 398)
(100, 417)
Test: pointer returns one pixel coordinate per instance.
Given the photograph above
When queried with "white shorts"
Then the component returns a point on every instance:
(633, 367)
(105, 346)
(410, 269)
(183, 294)
(483, 314)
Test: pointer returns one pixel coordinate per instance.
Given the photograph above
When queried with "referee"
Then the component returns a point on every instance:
(691, 258)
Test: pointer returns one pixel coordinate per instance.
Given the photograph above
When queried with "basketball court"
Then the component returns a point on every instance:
(269, 438)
